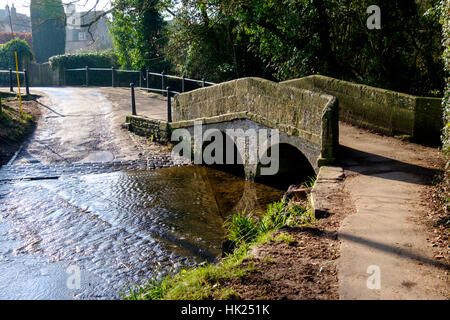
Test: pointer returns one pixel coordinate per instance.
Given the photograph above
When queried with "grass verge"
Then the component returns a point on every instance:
(13, 127)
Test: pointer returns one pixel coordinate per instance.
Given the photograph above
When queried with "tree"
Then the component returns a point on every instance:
(48, 27)
(204, 42)
(301, 37)
(138, 31)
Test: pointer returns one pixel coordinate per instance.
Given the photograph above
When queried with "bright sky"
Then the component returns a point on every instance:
(23, 6)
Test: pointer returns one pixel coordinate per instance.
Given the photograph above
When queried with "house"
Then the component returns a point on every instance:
(83, 38)
(19, 22)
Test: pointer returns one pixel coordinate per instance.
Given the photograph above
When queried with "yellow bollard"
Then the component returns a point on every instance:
(18, 84)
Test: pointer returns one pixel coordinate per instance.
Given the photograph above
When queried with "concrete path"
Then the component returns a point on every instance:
(384, 251)
(84, 125)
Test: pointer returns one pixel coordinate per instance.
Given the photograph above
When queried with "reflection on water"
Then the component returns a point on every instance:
(190, 203)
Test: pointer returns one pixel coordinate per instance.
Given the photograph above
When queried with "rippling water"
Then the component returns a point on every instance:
(121, 226)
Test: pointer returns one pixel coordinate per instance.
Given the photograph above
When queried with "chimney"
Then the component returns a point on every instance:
(13, 11)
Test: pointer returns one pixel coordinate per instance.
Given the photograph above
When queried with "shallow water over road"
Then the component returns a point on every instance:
(118, 226)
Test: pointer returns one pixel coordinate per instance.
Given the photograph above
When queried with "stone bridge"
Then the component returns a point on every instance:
(307, 121)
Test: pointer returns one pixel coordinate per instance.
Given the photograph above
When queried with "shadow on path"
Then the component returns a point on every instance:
(372, 244)
(47, 107)
(370, 164)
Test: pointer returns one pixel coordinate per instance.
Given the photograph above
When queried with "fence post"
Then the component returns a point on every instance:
(112, 77)
(163, 81)
(133, 101)
(169, 105)
(87, 76)
(140, 78)
(182, 82)
(146, 76)
(11, 88)
(25, 76)
(203, 82)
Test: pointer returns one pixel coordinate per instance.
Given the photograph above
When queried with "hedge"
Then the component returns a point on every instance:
(105, 59)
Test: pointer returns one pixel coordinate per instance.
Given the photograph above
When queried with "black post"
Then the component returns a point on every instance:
(140, 78)
(169, 106)
(87, 76)
(133, 101)
(162, 81)
(203, 82)
(25, 75)
(182, 83)
(112, 77)
(146, 76)
(11, 87)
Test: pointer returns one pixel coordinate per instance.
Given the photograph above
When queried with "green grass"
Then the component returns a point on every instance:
(283, 237)
(242, 227)
(195, 284)
(310, 182)
(13, 127)
(206, 282)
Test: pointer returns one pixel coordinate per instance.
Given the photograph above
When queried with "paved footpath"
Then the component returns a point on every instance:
(384, 240)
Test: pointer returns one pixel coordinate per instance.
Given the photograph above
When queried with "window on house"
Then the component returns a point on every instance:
(82, 36)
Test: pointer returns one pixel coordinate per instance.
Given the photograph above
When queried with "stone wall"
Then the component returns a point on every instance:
(380, 110)
(157, 130)
(308, 115)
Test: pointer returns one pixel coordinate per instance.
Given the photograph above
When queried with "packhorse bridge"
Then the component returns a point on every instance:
(307, 121)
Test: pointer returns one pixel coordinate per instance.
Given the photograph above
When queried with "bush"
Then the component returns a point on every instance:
(7, 59)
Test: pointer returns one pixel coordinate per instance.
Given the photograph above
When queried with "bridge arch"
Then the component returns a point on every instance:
(294, 167)
(227, 149)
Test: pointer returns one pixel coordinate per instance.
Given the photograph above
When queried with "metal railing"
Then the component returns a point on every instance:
(143, 76)
(167, 92)
(165, 89)
(11, 81)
